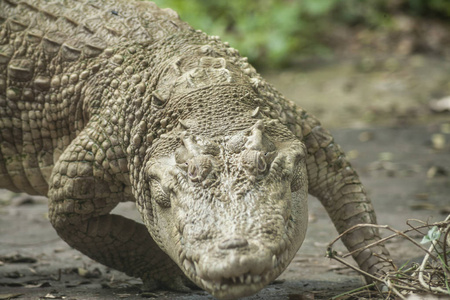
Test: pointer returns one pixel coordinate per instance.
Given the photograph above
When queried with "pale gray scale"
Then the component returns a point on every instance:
(20, 69)
(88, 11)
(54, 8)
(28, 94)
(44, 22)
(3, 17)
(34, 175)
(17, 23)
(73, 18)
(5, 179)
(92, 24)
(109, 34)
(94, 47)
(70, 51)
(66, 25)
(2, 88)
(25, 9)
(6, 53)
(34, 36)
(42, 82)
(117, 29)
(52, 42)
(136, 31)
(6, 9)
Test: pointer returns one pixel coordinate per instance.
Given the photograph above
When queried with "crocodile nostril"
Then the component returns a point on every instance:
(233, 243)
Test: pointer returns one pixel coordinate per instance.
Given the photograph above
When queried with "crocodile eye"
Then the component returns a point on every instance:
(199, 168)
(269, 157)
(193, 173)
(260, 163)
(254, 161)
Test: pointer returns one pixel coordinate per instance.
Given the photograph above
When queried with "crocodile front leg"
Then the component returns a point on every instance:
(337, 185)
(83, 190)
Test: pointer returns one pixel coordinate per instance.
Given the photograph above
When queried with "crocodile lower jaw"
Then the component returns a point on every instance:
(238, 285)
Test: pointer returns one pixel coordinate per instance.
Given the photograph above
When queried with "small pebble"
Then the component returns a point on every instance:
(366, 136)
(436, 171)
(422, 206)
(438, 141)
(385, 156)
(422, 196)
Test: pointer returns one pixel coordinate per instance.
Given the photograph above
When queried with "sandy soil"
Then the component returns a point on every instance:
(367, 91)
(406, 170)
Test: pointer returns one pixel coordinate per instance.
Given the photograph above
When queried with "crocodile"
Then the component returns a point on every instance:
(110, 101)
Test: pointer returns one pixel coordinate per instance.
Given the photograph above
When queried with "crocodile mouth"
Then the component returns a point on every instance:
(232, 285)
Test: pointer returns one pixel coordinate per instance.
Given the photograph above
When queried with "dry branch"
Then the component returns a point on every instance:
(431, 276)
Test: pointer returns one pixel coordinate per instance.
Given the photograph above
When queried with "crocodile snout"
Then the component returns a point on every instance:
(233, 243)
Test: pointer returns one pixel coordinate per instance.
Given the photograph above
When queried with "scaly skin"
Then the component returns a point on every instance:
(109, 101)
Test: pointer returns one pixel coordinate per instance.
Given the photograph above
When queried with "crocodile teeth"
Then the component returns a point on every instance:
(248, 279)
(197, 269)
(182, 255)
(207, 284)
(224, 287)
(256, 278)
(241, 278)
(282, 244)
(274, 261)
(188, 265)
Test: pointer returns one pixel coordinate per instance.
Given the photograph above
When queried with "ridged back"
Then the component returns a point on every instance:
(48, 49)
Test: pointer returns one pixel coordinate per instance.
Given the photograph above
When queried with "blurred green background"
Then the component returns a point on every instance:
(349, 62)
(274, 33)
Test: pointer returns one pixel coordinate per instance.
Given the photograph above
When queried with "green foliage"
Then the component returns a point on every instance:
(430, 7)
(372, 13)
(432, 235)
(262, 30)
(272, 32)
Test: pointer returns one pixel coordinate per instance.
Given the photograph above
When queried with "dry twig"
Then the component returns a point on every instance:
(431, 276)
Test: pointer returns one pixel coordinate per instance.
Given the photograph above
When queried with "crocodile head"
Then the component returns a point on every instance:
(231, 211)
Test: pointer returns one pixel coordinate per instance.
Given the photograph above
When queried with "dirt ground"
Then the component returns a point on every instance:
(380, 116)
